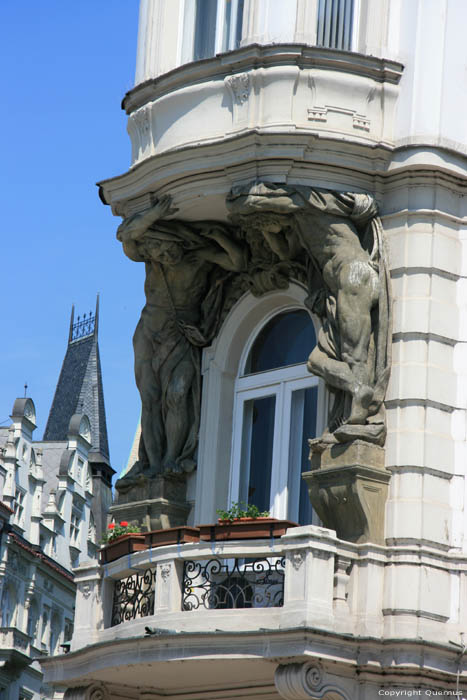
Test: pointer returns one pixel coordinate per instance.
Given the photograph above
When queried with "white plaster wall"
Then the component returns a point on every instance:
(426, 400)
(428, 37)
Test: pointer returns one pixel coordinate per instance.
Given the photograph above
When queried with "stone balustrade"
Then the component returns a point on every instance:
(305, 579)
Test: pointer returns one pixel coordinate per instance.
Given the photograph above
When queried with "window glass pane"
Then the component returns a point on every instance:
(335, 18)
(302, 428)
(257, 446)
(205, 29)
(287, 339)
(239, 26)
(227, 25)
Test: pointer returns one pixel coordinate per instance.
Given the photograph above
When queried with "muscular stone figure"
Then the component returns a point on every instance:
(182, 303)
(348, 289)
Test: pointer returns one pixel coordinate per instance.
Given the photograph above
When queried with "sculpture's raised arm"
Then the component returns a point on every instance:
(135, 226)
(133, 229)
(227, 253)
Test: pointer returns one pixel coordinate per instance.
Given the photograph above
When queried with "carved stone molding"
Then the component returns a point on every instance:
(239, 86)
(86, 589)
(297, 559)
(358, 121)
(298, 681)
(304, 682)
(165, 572)
(142, 119)
(341, 580)
(97, 691)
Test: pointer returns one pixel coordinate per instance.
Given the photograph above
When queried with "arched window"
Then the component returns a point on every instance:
(275, 413)
(255, 380)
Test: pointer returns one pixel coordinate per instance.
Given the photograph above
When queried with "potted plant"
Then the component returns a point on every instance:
(171, 535)
(244, 521)
(121, 539)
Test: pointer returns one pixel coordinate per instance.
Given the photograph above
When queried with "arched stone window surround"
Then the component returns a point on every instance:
(220, 368)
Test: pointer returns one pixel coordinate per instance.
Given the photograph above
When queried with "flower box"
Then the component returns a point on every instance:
(171, 535)
(245, 529)
(125, 544)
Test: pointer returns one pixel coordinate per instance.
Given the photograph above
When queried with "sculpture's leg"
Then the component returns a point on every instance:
(147, 382)
(335, 373)
(179, 418)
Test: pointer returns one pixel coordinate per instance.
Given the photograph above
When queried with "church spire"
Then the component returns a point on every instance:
(79, 388)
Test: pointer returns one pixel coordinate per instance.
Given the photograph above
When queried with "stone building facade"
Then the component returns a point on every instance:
(307, 159)
(51, 507)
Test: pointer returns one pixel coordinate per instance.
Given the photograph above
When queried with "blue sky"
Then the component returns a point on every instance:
(65, 68)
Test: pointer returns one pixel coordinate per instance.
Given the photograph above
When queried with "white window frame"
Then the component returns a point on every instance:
(188, 23)
(19, 506)
(280, 383)
(221, 366)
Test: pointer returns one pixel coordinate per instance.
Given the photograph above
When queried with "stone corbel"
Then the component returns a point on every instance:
(96, 691)
(348, 487)
(305, 681)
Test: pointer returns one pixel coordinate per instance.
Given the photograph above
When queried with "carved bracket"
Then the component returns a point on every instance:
(97, 691)
(305, 681)
(348, 488)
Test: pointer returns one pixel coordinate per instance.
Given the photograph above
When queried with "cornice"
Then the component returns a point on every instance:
(374, 167)
(257, 56)
(303, 644)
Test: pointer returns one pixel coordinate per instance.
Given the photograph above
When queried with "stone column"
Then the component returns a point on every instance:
(93, 599)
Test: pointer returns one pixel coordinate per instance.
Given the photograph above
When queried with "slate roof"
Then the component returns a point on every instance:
(79, 389)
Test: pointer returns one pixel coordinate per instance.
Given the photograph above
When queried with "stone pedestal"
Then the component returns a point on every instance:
(153, 504)
(348, 486)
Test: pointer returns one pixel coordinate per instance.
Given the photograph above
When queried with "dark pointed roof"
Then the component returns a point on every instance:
(79, 388)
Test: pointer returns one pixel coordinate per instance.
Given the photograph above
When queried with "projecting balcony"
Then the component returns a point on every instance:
(275, 112)
(249, 605)
(272, 583)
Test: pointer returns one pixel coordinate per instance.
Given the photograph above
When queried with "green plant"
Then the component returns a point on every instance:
(241, 510)
(117, 530)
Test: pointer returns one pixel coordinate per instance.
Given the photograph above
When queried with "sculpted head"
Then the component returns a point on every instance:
(165, 252)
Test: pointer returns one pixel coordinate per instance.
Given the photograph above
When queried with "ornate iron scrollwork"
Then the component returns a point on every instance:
(134, 597)
(237, 583)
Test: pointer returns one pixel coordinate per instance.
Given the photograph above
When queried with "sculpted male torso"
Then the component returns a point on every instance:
(179, 261)
(333, 244)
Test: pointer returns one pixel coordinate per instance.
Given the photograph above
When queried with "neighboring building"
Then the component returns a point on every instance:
(356, 97)
(52, 502)
(80, 390)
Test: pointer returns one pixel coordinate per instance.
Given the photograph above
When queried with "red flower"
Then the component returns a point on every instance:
(110, 526)
(124, 523)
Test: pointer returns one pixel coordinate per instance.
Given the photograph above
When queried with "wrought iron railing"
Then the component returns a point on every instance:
(133, 597)
(84, 326)
(233, 583)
